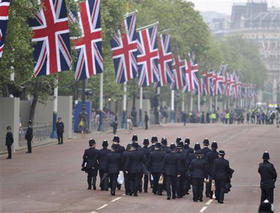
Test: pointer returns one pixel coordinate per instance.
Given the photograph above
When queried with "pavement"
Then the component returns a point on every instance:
(50, 179)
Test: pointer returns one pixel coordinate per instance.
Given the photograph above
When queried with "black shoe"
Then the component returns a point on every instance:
(168, 198)
(160, 194)
(174, 197)
(130, 194)
(94, 187)
(200, 200)
(8, 158)
(195, 200)
(135, 195)
(89, 188)
(221, 202)
(145, 191)
(113, 193)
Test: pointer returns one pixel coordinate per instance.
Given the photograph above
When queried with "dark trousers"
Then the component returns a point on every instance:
(181, 185)
(9, 148)
(113, 182)
(104, 182)
(187, 185)
(156, 177)
(29, 147)
(91, 178)
(134, 182)
(220, 190)
(146, 124)
(171, 187)
(126, 184)
(208, 191)
(60, 138)
(145, 182)
(197, 187)
(267, 194)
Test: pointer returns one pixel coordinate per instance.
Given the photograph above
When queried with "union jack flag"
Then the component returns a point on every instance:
(203, 87)
(89, 44)
(165, 60)
(4, 15)
(179, 68)
(231, 85)
(219, 79)
(124, 48)
(51, 34)
(192, 75)
(208, 83)
(147, 60)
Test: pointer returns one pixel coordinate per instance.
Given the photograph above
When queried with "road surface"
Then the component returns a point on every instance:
(50, 179)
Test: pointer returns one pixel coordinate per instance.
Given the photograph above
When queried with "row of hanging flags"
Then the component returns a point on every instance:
(138, 54)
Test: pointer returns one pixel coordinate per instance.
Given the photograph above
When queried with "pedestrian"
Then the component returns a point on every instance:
(114, 124)
(156, 166)
(129, 124)
(170, 169)
(102, 158)
(211, 157)
(9, 141)
(146, 152)
(60, 130)
(198, 171)
(133, 167)
(90, 164)
(146, 119)
(266, 207)
(113, 167)
(29, 137)
(268, 178)
(221, 172)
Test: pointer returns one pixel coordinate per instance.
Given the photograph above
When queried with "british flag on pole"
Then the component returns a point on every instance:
(4, 16)
(165, 60)
(51, 34)
(179, 68)
(124, 50)
(89, 44)
(147, 57)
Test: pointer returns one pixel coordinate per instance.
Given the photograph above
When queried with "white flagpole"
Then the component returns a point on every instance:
(183, 101)
(124, 113)
(141, 107)
(216, 103)
(198, 102)
(210, 103)
(141, 28)
(158, 108)
(54, 134)
(191, 102)
(100, 127)
(172, 106)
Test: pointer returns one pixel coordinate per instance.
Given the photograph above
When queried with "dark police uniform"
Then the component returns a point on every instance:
(155, 167)
(198, 171)
(182, 167)
(102, 158)
(170, 169)
(221, 172)
(60, 131)
(9, 143)
(268, 178)
(211, 157)
(113, 166)
(146, 153)
(29, 137)
(134, 168)
(90, 163)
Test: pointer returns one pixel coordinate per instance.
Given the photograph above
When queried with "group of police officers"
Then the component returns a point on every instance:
(176, 168)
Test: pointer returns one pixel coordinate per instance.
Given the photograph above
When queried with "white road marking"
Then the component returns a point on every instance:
(116, 199)
(203, 209)
(209, 202)
(93, 212)
(102, 207)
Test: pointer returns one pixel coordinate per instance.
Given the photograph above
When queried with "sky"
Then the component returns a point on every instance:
(224, 6)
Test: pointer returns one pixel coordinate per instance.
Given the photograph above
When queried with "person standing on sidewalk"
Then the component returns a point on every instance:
(9, 141)
(60, 130)
(146, 119)
(29, 137)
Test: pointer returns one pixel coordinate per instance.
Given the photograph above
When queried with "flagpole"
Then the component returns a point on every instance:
(216, 103)
(141, 28)
(183, 102)
(54, 133)
(100, 127)
(158, 107)
(172, 106)
(191, 102)
(210, 103)
(198, 102)
(124, 113)
(141, 107)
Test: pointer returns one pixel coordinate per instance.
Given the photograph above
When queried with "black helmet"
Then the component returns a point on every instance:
(91, 142)
(164, 141)
(154, 139)
(173, 146)
(206, 142)
(178, 139)
(222, 153)
(266, 155)
(114, 147)
(187, 140)
(214, 145)
(146, 142)
(197, 147)
(158, 145)
(134, 138)
(105, 143)
(116, 139)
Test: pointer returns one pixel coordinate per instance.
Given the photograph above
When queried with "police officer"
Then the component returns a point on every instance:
(170, 169)
(164, 146)
(182, 170)
(116, 140)
(113, 166)
(29, 136)
(211, 157)
(198, 171)
(9, 141)
(156, 165)
(268, 178)
(154, 140)
(205, 148)
(102, 158)
(133, 167)
(146, 152)
(146, 119)
(90, 164)
(204, 151)
(187, 142)
(125, 156)
(60, 130)
(134, 140)
(221, 172)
